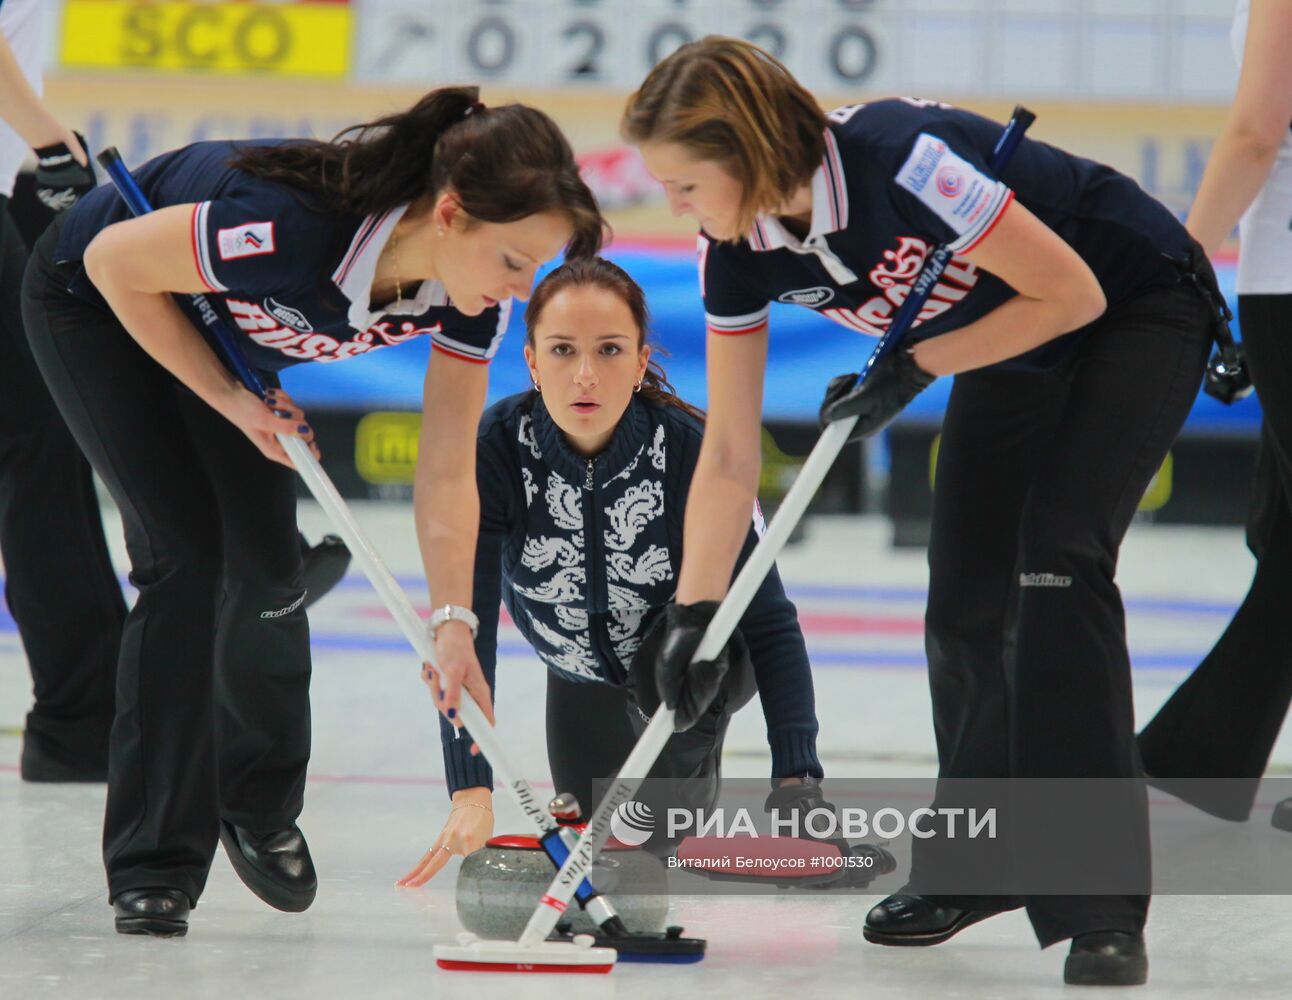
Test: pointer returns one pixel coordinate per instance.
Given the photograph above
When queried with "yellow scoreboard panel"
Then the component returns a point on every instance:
(283, 40)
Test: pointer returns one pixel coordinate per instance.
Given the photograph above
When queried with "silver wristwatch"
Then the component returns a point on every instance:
(454, 613)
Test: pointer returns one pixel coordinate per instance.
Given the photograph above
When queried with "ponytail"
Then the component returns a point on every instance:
(502, 164)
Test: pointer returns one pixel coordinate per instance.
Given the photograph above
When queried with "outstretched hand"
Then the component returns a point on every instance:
(468, 828)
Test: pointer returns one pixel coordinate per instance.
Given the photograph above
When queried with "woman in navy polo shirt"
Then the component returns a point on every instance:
(582, 487)
(425, 222)
(1071, 319)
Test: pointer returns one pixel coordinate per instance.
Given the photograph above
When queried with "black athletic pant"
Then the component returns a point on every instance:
(591, 729)
(59, 582)
(1223, 720)
(1038, 477)
(215, 653)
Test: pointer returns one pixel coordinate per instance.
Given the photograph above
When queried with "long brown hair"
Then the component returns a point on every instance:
(727, 100)
(597, 272)
(502, 164)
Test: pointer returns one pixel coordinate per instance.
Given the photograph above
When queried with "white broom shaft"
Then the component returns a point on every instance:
(553, 903)
(414, 629)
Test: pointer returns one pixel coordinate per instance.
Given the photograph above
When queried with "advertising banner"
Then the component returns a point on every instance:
(236, 39)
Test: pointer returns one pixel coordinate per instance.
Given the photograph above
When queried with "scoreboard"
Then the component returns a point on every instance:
(834, 45)
(1173, 51)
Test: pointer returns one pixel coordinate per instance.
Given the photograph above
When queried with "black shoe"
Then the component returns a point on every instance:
(1107, 958)
(325, 565)
(159, 912)
(1281, 818)
(46, 760)
(275, 866)
(913, 921)
(1231, 799)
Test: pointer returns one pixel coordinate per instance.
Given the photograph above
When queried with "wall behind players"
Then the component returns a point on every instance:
(1135, 83)
(1146, 50)
(1163, 147)
(1160, 50)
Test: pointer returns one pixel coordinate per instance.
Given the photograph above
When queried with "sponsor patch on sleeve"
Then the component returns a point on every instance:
(247, 240)
(955, 190)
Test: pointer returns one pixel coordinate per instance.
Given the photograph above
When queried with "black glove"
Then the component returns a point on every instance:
(60, 180)
(894, 382)
(662, 668)
(1228, 377)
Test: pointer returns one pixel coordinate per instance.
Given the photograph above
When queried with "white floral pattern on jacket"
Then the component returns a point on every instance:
(553, 569)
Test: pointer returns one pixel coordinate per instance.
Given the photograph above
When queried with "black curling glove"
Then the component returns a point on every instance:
(895, 380)
(60, 181)
(662, 669)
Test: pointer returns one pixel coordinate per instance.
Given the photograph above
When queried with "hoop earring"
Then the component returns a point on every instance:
(537, 387)
(637, 387)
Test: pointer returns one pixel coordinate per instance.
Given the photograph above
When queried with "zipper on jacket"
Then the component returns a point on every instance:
(595, 574)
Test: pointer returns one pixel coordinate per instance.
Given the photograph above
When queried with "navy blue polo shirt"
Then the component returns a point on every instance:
(900, 177)
(291, 276)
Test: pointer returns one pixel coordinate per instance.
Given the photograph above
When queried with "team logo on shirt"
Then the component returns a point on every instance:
(268, 330)
(924, 159)
(949, 182)
(894, 276)
(811, 297)
(961, 195)
(288, 316)
(247, 240)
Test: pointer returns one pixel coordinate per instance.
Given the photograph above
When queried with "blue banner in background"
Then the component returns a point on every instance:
(806, 351)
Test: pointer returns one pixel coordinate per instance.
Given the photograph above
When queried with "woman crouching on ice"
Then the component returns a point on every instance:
(583, 483)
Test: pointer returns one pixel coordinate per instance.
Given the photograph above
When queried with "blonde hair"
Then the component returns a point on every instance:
(727, 100)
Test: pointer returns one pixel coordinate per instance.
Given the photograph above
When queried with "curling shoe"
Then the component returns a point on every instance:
(276, 866)
(159, 912)
(904, 920)
(45, 760)
(1281, 818)
(1107, 958)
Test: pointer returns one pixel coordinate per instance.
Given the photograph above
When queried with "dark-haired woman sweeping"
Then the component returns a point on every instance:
(423, 222)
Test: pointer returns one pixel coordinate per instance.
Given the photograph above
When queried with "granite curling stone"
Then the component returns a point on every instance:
(500, 884)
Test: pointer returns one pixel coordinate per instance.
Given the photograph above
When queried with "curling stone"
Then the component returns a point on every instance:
(500, 884)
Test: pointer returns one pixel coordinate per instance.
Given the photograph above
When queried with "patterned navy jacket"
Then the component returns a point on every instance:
(585, 553)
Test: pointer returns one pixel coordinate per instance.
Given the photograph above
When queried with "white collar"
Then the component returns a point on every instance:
(359, 266)
(829, 207)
